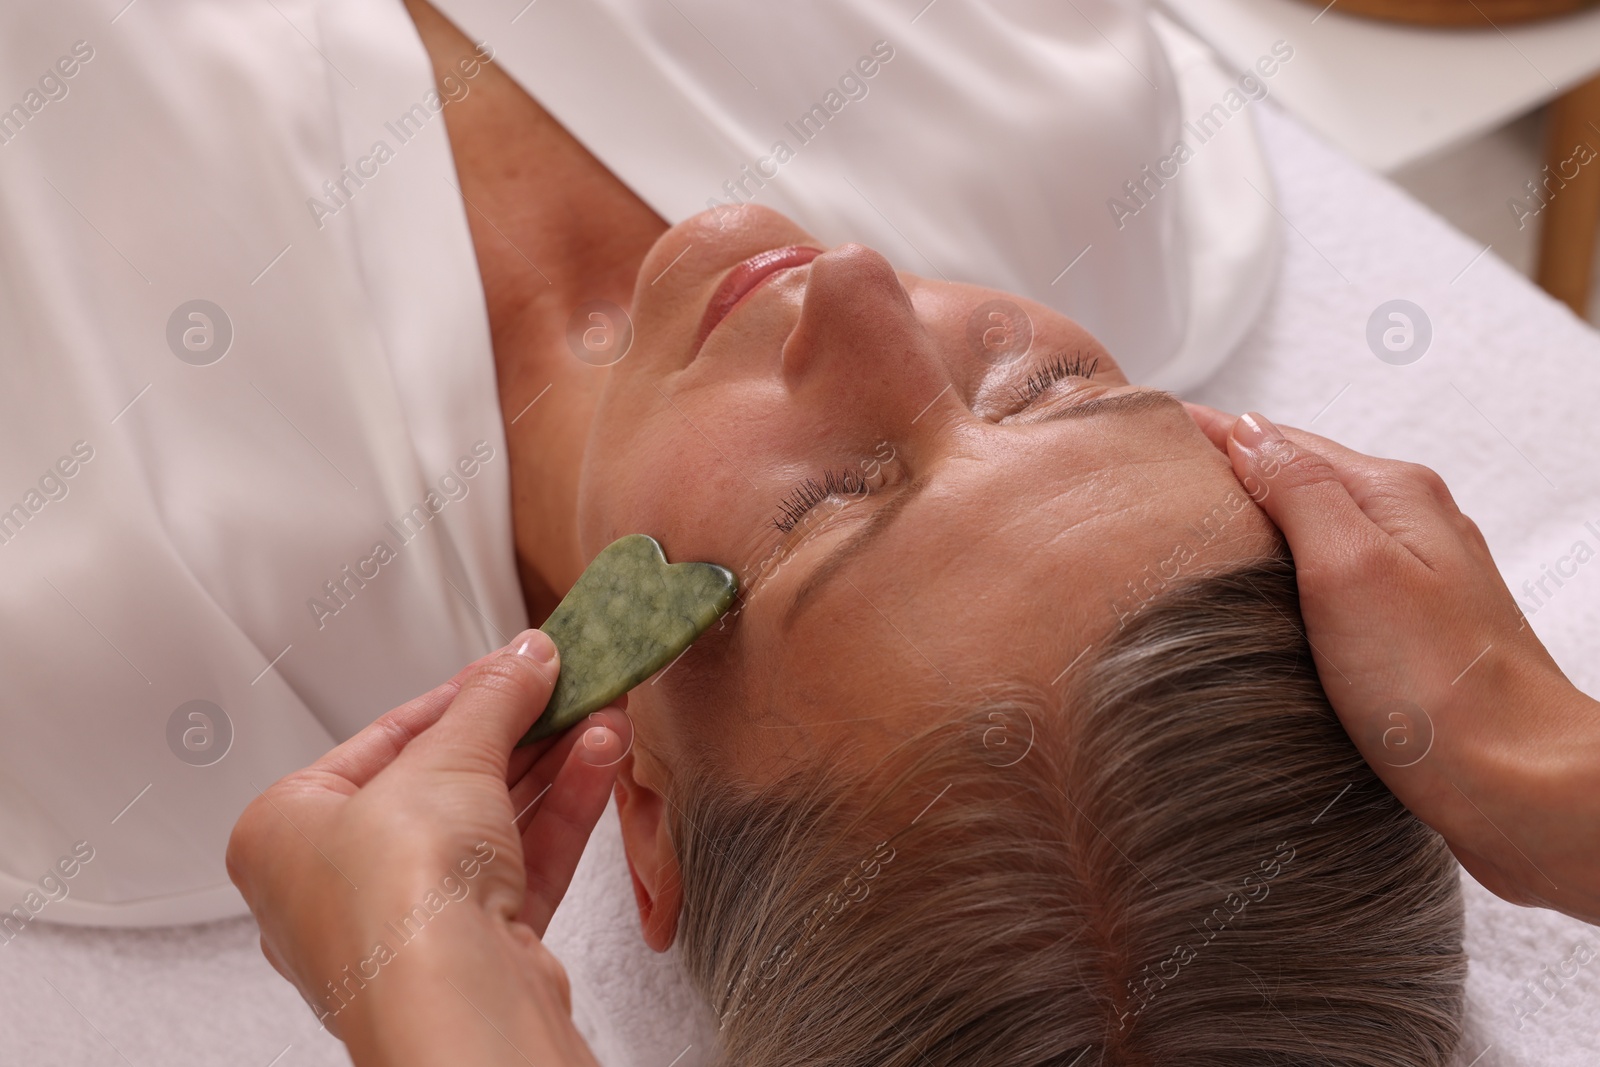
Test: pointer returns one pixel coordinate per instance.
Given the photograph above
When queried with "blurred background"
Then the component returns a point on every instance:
(1469, 184)
(1487, 111)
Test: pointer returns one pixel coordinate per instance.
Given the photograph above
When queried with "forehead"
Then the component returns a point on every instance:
(1022, 552)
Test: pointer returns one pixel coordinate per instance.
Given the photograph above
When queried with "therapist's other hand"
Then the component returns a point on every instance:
(1430, 664)
(428, 852)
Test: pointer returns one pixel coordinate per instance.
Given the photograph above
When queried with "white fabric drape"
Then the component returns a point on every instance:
(190, 551)
(288, 503)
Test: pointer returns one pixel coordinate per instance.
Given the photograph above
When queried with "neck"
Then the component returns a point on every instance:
(547, 406)
(552, 229)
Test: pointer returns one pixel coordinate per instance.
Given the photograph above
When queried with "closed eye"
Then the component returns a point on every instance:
(1057, 367)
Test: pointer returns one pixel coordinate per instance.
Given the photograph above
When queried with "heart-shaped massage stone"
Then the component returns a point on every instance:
(629, 614)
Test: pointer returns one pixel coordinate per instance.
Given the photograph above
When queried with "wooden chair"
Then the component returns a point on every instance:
(1571, 224)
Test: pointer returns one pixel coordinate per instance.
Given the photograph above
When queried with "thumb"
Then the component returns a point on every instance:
(1303, 493)
(500, 698)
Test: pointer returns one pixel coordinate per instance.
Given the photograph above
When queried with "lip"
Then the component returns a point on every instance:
(745, 278)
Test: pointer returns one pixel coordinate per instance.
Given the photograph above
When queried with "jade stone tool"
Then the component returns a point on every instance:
(629, 614)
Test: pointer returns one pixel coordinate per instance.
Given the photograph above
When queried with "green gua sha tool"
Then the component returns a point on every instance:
(629, 614)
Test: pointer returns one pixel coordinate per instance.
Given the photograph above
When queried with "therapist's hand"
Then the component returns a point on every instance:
(1430, 664)
(403, 881)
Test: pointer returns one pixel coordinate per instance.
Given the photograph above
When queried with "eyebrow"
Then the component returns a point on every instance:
(883, 518)
(874, 529)
(1121, 403)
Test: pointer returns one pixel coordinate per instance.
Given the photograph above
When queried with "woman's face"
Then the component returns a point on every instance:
(914, 505)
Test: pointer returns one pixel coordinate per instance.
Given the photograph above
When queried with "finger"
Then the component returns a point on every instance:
(1353, 466)
(1406, 501)
(360, 757)
(1302, 493)
(499, 700)
(1359, 472)
(1213, 423)
(1217, 426)
(376, 746)
(524, 757)
(554, 841)
(532, 787)
(1369, 481)
(272, 958)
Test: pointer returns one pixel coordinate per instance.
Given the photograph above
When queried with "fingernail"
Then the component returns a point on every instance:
(1254, 430)
(536, 645)
(592, 745)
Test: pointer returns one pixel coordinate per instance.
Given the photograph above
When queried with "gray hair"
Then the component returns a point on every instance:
(1179, 859)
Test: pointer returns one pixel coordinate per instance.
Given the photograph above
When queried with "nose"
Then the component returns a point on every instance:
(859, 339)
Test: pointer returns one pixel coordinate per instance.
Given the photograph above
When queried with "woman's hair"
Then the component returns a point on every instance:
(1173, 856)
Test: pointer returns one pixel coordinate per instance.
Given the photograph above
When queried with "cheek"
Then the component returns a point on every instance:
(696, 715)
(702, 471)
(658, 475)
(652, 719)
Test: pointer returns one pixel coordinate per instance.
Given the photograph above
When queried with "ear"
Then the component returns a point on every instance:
(652, 861)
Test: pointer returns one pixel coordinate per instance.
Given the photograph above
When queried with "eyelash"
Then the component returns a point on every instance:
(809, 493)
(1059, 366)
